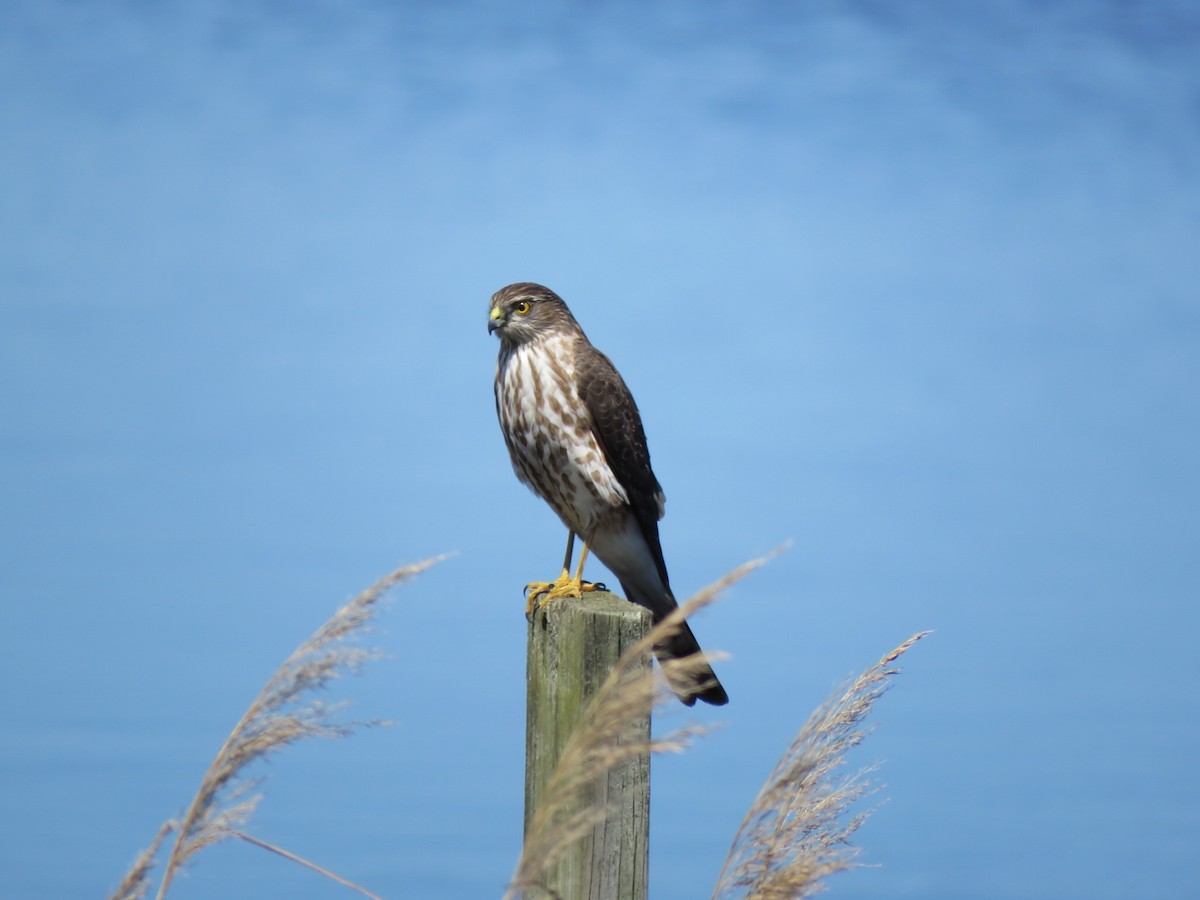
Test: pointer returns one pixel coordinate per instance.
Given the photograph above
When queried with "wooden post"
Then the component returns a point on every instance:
(573, 644)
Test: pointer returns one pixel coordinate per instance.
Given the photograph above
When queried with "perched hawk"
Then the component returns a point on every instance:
(576, 439)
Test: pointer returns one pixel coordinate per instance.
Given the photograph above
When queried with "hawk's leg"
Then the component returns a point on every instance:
(542, 592)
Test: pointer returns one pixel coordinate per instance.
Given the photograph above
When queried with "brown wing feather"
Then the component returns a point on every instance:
(618, 427)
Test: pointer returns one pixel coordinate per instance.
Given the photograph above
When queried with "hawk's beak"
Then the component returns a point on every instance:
(495, 319)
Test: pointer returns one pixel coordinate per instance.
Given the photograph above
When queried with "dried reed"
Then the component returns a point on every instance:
(797, 831)
(137, 880)
(795, 834)
(609, 735)
(282, 714)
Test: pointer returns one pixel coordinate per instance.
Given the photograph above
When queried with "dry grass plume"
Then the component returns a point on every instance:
(794, 836)
(283, 713)
(797, 832)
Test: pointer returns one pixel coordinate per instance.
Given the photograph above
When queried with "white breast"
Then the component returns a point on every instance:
(549, 434)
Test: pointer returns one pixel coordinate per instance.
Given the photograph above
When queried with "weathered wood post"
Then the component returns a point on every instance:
(573, 645)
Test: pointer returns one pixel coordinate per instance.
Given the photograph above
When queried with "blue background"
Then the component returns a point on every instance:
(912, 285)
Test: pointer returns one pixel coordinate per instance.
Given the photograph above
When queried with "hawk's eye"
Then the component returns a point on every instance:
(522, 307)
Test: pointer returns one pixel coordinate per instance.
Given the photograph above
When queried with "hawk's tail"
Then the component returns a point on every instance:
(698, 682)
(634, 556)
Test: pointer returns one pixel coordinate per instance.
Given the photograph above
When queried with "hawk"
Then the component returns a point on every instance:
(576, 439)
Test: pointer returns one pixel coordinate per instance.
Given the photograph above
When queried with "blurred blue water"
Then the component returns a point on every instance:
(913, 286)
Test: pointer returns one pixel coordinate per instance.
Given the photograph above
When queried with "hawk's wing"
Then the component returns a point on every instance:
(618, 428)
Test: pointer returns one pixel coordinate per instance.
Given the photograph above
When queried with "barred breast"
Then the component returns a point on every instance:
(549, 433)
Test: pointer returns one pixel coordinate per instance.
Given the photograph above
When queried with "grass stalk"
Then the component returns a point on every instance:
(282, 714)
(797, 832)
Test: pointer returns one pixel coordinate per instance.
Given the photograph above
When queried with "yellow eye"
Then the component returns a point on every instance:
(522, 307)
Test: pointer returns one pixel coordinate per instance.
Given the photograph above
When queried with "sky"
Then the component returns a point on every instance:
(909, 286)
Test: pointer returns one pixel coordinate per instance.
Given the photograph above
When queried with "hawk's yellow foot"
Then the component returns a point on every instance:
(539, 593)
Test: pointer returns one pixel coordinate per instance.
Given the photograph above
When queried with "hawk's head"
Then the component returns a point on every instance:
(525, 311)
